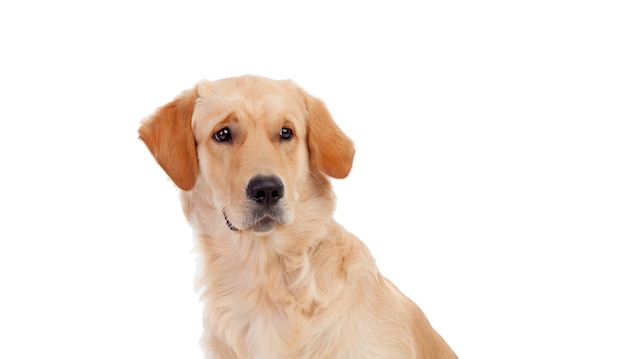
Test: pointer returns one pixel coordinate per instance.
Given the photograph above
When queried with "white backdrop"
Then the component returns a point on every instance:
(488, 183)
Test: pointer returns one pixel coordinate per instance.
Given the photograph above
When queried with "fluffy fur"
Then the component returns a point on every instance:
(279, 280)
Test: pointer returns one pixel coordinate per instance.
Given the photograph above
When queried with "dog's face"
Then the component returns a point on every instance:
(252, 150)
(248, 147)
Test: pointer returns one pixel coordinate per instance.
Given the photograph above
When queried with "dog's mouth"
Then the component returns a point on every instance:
(229, 224)
(262, 223)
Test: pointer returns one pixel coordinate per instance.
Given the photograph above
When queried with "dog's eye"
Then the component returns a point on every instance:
(286, 134)
(222, 135)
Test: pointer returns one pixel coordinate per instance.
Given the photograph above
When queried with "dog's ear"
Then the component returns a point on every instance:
(330, 149)
(169, 136)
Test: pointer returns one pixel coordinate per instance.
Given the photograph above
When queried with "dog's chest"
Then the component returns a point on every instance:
(260, 328)
(259, 315)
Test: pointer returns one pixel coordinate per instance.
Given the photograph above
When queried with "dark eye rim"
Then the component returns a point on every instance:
(223, 135)
(286, 134)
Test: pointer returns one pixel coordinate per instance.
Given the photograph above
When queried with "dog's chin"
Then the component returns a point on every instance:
(262, 226)
(265, 225)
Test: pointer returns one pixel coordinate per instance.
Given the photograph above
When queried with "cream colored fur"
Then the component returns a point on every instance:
(305, 288)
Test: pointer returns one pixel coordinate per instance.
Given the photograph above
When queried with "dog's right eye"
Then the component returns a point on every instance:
(222, 135)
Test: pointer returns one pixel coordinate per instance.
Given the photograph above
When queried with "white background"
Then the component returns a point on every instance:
(489, 180)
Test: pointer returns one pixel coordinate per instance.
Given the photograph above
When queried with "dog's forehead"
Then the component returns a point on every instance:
(250, 91)
(248, 96)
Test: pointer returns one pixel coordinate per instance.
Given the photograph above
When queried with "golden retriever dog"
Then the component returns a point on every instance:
(277, 276)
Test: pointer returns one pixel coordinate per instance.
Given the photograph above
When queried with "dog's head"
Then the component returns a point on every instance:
(248, 147)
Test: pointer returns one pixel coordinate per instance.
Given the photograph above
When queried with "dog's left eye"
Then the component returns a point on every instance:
(286, 134)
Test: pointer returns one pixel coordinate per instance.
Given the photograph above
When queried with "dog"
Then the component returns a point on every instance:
(277, 276)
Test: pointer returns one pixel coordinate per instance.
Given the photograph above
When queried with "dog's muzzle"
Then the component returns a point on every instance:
(265, 192)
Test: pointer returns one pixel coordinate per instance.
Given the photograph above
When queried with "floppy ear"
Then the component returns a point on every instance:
(330, 149)
(169, 136)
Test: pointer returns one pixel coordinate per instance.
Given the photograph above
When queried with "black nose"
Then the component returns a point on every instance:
(265, 190)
